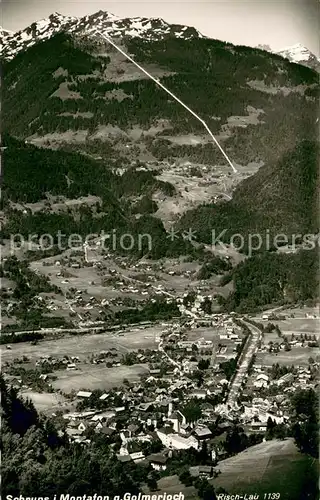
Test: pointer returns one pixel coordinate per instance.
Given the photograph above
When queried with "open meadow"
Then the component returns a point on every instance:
(86, 375)
(90, 377)
(298, 356)
(83, 345)
(299, 325)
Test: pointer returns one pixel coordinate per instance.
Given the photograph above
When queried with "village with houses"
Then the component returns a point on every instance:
(159, 251)
(208, 385)
(145, 361)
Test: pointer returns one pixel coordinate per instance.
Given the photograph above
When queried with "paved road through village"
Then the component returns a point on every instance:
(243, 365)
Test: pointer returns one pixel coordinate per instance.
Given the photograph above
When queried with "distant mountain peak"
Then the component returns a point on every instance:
(300, 54)
(296, 53)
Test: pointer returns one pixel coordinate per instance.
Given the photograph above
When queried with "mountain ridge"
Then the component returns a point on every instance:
(295, 174)
(114, 26)
(87, 98)
(300, 54)
(296, 53)
(259, 105)
(141, 27)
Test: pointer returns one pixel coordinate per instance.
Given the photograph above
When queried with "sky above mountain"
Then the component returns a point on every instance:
(278, 23)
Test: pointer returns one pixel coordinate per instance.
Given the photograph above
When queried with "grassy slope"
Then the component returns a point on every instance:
(272, 466)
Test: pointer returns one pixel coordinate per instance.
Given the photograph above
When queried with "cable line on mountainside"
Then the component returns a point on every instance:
(106, 37)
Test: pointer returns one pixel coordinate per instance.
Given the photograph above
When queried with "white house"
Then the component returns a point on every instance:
(104, 396)
(200, 394)
(175, 441)
(84, 394)
(262, 380)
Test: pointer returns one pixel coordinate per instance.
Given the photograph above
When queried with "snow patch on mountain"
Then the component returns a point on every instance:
(301, 55)
(106, 22)
(296, 53)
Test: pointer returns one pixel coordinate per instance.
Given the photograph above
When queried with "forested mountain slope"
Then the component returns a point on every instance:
(36, 179)
(273, 279)
(74, 93)
(281, 197)
(80, 90)
(276, 207)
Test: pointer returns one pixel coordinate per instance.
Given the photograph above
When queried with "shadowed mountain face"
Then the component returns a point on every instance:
(78, 93)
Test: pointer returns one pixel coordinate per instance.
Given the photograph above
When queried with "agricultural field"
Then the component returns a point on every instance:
(86, 375)
(91, 377)
(305, 320)
(299, 325)
(87, 279)
(81, 346)
(298, 356)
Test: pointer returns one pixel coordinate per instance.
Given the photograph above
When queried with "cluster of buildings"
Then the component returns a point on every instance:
(178, 403)
(157, 409)
(158, 424)
(300, 377)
